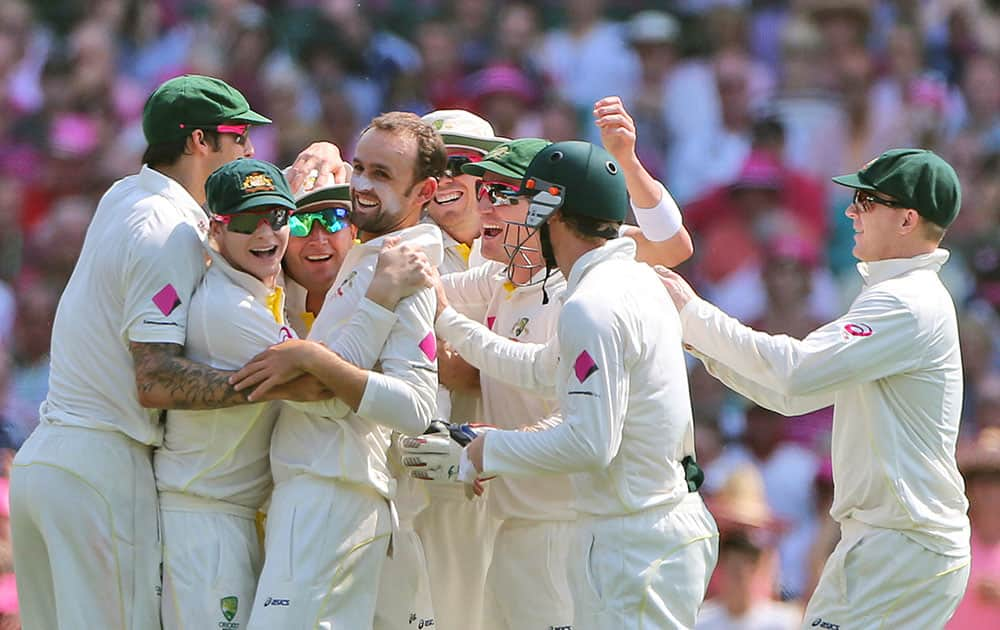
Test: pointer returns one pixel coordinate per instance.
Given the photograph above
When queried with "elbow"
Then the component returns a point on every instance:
(148, 398)
(595, 457)
(669, 253)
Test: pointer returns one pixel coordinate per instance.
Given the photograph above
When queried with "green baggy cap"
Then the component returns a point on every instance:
(194, 101)
(510, 159)
(917, 178)
(245, 184)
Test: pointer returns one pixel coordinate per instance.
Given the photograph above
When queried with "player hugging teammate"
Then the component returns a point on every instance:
(452, 379)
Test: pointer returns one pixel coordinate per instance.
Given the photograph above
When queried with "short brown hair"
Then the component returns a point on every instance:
(432, 157)
(933, 231)
(167, 153)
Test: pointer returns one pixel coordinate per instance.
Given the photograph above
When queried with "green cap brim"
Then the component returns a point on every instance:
(478, 169)
(262, 200)
(853, 181)
(252, 118)
(460, 141)
(338, 194)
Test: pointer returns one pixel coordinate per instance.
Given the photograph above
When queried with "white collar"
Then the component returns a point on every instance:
(878, 270)
(623, 248)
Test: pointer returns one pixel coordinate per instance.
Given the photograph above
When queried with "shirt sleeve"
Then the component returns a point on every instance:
(529, 366)
(768, 398)
(165, 264)
(360, 342)
(470, 292)
(874, 339)
(593, 406)
(403, 397)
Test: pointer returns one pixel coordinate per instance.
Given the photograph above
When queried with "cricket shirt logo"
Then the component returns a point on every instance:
(347, 283)
(518, 329)
(857, 329)
(229, 605)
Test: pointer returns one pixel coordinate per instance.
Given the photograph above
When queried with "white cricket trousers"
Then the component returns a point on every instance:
(404, 597)
(879, 579)
(527, 586)
(457, 536)
(85, 528)
(324, 547)
(211, 560)
(646, 570)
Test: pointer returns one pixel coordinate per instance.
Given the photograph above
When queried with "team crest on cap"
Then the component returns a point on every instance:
(257, 182)
(438, 124)
(500, 151)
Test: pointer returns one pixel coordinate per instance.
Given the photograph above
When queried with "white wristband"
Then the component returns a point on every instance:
(662, 221)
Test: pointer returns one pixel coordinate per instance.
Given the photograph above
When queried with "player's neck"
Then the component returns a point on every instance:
(187, 174)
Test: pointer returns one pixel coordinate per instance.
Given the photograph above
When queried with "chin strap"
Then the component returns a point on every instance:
(549, 256)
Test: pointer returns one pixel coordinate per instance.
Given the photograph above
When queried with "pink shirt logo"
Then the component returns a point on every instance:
(584, 366)
(166, 299)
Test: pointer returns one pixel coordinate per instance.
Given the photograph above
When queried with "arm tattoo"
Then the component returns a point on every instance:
(170, 381)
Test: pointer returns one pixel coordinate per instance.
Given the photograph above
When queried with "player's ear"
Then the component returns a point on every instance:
(426, 190)
(910, 221)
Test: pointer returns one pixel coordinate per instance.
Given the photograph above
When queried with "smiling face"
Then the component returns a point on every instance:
(258, 254)
(503, 230)
(314, 260)
(454, 207)
(385, 193)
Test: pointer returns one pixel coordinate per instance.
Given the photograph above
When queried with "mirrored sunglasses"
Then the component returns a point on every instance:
(500, 194)
(248, 222)
(332, 219)
(241, 131)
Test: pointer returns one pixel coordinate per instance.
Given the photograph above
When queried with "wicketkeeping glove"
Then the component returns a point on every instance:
(434, 456)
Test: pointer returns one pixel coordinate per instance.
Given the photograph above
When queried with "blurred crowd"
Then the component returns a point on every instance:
(744, 108)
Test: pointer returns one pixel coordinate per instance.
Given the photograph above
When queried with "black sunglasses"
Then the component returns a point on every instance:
(866, 200)
(248, 222)
(456, 162)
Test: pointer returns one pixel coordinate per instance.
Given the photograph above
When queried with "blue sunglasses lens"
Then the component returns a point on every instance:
(332, 219)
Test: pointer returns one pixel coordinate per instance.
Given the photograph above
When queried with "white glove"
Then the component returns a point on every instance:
(436, 455)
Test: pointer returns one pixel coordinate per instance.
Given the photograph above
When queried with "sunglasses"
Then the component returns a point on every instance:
(240, 131)
(248, 222)
(865, 200)
(500, 194)
(456, 162)
(333, 220)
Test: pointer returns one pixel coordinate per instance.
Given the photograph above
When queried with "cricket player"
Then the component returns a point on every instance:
(212, 471)
(86, 527)
(440, 513)
(645, 544)
(536, 513)
(891, 368)
(330, 520)
(321, 237)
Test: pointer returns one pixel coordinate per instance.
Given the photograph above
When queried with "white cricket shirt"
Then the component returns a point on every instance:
(222, 454)
(142, 258)
(518, 314)
(892, 369)
(618, 370)
(327, 439)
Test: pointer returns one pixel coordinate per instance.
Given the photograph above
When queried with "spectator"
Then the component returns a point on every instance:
(980, 463)
(787, 470)
(660, 101)
(588, 59)
(506, 97)
(746, 575)
(30, 375)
